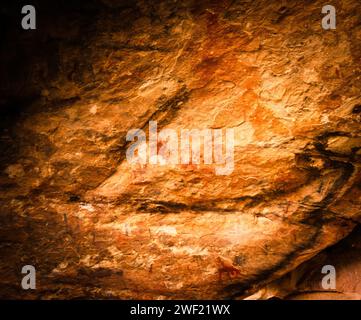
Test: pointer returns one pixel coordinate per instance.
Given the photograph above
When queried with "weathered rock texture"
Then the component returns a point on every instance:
(305, 282)
(95, 226)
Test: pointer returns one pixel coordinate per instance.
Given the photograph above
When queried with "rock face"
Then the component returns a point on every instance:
(97, 226)
(305, 282)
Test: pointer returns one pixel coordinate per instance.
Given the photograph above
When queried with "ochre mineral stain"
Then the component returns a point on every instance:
(95, 226)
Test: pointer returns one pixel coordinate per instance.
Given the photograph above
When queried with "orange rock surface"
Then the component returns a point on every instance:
(96, 226)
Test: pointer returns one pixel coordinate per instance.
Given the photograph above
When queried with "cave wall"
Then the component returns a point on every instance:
(97, 226)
